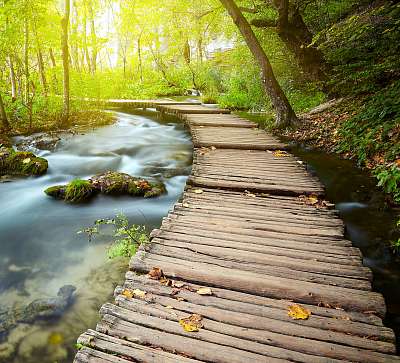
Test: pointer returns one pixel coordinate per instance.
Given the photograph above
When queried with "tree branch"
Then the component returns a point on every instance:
(264, 23)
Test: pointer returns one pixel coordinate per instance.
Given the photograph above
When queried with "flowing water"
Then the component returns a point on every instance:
(40, 250)
(370, 223)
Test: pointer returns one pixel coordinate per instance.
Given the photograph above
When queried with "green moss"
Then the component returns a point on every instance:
(57, 191)
(21, 163)
(79, 191)
(155, 191)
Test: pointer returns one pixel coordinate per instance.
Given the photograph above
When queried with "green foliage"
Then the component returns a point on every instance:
(375, 128)
(126, 237)
(363, 49)
(79, 191)
(389, 179)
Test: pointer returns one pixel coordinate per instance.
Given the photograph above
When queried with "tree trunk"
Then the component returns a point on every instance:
(85, 46)
(65, 58)
(43, 80)
(139, 45)
(285, 115)
(13, 80)
(93, 38)
(293, 31)
(53, 75)
(3, 116)
(26, 59)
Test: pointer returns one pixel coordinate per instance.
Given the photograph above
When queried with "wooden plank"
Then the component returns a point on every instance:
(269, 332)
(253, 304)
(190, 109)
(257, 284)
(129, 350)
(257, 244)
(211, 350)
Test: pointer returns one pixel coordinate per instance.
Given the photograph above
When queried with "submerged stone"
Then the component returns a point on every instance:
(40, 309)
(21, 163)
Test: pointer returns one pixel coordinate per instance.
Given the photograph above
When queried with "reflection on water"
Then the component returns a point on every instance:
(370, 225)
(39, 248)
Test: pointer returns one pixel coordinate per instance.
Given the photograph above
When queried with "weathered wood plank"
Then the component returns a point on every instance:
(254, 304)
(210, 350)
(268, 332)
(257, 284)
(129, 350)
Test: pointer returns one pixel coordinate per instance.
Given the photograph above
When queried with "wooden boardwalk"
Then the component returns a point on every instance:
(247, 246)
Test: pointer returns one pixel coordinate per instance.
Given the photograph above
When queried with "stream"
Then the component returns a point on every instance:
(40, 250)
(370, 223)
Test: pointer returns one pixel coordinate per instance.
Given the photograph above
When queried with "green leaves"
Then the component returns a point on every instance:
(126, 238)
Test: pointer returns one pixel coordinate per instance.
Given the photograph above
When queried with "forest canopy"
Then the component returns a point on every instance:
(141, 49)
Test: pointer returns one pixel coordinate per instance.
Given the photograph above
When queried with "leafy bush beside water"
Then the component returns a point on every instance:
(126, 237)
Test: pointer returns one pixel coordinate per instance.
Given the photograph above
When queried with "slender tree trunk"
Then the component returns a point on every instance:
(285, 115)
(200, 49)
(53, 73)
(139, 45)
(13, 80)
(65, 58)
(52, 58)
(85, 46)
(26, 59)
(93, 38)
(42, 72)
(3, 116)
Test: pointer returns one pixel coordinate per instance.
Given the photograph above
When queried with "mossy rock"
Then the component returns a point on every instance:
(110, 183)
(57, 191)
(21, 163)
(115, 183)
(79, 191)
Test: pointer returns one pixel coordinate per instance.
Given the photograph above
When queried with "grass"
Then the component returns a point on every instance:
(79, 191)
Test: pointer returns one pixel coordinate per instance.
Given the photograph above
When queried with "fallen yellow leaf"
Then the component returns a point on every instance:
(130, 294)
(313, 199)
(204, 291)
(191, 323)
(127, 293)
(26, 161)
(198, 191)
(280, 153)
(298, 312)
(55, 338)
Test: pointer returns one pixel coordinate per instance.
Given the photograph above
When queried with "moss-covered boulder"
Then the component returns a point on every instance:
(110, 183)
(21, 163)
(115, 183)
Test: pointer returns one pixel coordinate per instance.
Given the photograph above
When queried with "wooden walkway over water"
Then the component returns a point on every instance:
(247, 249)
